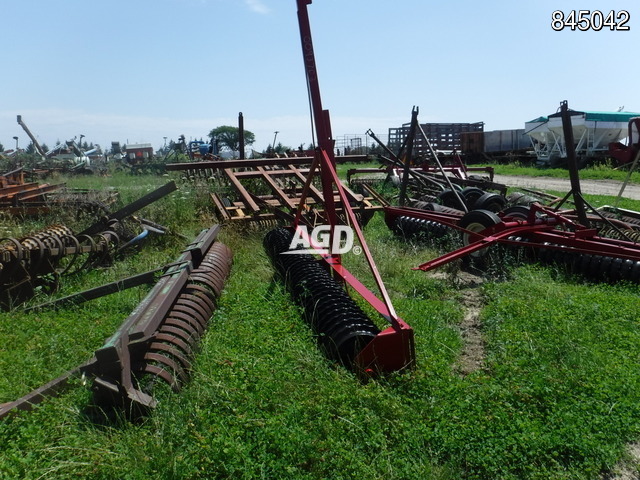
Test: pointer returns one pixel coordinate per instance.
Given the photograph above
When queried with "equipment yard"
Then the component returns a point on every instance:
(522, 372)
(387, 313)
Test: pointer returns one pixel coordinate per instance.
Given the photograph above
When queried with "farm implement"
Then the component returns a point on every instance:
(42, 258)
(601, 244)
(161, 335)
(344, 331)
(158, 339)
(549, 235)
(427, 175)
(260, 186)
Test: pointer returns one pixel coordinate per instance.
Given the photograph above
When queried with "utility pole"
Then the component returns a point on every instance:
(241, 135)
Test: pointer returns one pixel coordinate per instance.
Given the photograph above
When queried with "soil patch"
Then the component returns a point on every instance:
(627, 469)
(472, 356)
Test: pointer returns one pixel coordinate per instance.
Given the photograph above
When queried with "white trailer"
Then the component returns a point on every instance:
(592, 133)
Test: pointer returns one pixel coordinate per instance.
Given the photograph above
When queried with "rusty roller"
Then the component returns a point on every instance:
(626, 234)
(171, 349)
(30, 262)
(52, 243)
(158, 339)
(35, 245)
(40, 259)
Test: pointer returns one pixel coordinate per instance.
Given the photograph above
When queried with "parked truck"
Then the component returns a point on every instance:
(593, 132)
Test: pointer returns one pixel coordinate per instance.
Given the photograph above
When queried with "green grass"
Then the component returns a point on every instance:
(596, 172)
(558, 396)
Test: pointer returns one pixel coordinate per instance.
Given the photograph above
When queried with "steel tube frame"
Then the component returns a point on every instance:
(393, 348)
(539, 232)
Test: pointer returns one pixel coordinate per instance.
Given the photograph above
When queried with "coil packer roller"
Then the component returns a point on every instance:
(345, 332)
(158, 339)
(161, 335)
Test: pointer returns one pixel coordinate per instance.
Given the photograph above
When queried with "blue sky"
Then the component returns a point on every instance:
(140, 70)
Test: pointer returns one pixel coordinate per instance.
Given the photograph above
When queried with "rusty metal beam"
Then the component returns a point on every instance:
(313, 191)
(131, 208)
(12, 190)
(246, 198)
(259, 162)
(266, 175)
(36, 396)
(219, 205)
(101, 291)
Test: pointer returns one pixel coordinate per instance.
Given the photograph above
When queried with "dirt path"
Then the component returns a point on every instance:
(627, 468)
(472, 355)
(593, 187)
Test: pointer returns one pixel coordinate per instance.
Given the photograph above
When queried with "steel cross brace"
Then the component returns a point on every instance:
(540, 233)
(393, 348)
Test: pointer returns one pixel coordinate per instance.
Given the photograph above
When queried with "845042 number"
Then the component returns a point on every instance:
(590, 20)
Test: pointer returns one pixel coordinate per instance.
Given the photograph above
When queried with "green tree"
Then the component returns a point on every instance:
(228, 137)
(282, 148)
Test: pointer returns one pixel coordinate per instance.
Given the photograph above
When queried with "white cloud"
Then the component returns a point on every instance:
(257, 6)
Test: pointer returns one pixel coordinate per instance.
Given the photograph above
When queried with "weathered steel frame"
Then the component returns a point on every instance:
(392, 349)
(539, 232)
(249, 206)
(111, 366)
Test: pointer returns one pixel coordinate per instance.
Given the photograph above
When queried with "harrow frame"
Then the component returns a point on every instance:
(542, 228)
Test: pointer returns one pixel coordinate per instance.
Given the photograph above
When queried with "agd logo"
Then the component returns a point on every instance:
(321, 237)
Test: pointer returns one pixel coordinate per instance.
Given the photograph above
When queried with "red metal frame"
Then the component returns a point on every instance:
(627, 153)
(393, 348)
(540, 232)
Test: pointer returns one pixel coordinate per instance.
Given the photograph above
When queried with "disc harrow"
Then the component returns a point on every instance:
(595, 267)
(411, 227)
(608, 253)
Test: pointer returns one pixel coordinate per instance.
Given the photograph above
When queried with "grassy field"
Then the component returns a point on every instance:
(557, 394)
(596, 172)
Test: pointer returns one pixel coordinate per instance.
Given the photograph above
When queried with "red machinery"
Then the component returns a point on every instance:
(373, 351)
(565, 237)
(625, 154)
(552, 235)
